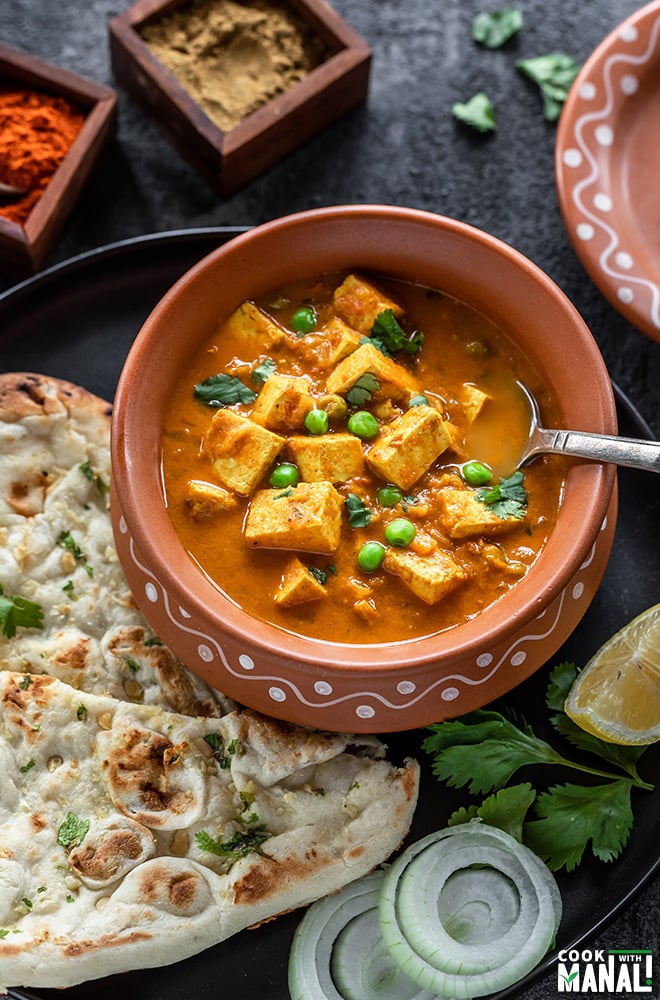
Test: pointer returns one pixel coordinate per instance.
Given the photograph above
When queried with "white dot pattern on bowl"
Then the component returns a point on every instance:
(484, 659)
(406, 687)
(365, 712)
(518, 658)
(322, 687)
(246, 661)
(151, 593)
(205, 653)
(450, 694)
(277, 694)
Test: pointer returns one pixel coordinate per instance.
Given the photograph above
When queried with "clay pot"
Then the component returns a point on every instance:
(334, 685)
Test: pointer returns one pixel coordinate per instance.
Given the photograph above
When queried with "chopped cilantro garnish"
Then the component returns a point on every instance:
(27, 902)
(478, 113)
(359, 516)
(66, 541)
(554, 74)
(223, 390)
(69, 588)
(285, 493)
(81, 713)
(222, 755)
(28, 767)
(240, 845)
(262, 372)
(388, 331)
(153, 641)
(362, 391)
(3, 933)
(89, 473)
(69, 898)
(494, 29)
(72, 831)
(131, 663)
(25, 683)
(19, 611)
(508, 498)
(319, 574)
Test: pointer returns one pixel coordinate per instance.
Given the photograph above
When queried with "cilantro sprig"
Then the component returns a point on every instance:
(508, 498)
(565, 818)
(359, 515)
(223, 390)
(362, 390)
(240, 844)
(388, 335)
(18, 612)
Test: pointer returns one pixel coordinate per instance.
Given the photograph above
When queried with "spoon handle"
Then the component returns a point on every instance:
(631, 452)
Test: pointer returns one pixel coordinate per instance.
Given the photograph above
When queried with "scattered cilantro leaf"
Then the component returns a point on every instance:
(223, 390)
(99, 482)
(359, 516)
(262, 372)
(506, 499)
(478, 113)
(27, 903)
(153, 641)
(285, 493)
(388, 331)
(222, 755)
(378, 343)
(19, 611)
(81, 713)
(319, 574)
(506, 810)
(131, 663)
(554, 75)
(571, 816)
(72, 831)
(3, 933)
(362, 391)
(25, 683)
(561, 680)
(494, 29)
(70, 590)
(28, 767)
(240, 845)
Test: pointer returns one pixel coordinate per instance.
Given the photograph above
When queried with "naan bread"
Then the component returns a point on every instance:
(132, 837)
(57, 550)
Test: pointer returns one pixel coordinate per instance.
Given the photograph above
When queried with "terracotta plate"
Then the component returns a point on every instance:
(606, 166)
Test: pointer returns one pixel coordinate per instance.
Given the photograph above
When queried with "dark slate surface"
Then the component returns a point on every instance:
(402, 147)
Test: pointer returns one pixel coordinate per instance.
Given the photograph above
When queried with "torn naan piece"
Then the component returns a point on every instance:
(132, 837)
(65, 606)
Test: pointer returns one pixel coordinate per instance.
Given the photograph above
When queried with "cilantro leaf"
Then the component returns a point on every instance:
(554, 75)
(242, 843)
(506, 810)
(503, 749)
(359, 516)
(19, 611)
(478, 113)
(561, 680)
(625, 757)
(72, 831)
(318, 574)
(390, 334)
(262, 372)
(571, 816)
(506, 499)
(89, 473)
(493, 30)
(223, 390)
(222, 755)
(362, 390)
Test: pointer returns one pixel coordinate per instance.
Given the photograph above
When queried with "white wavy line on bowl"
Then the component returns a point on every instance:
(602, 115)
(361, 695)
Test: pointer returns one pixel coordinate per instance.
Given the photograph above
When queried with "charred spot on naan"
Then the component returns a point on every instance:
(175, 886)
(151, 780)
(110, 849)
(24, 694)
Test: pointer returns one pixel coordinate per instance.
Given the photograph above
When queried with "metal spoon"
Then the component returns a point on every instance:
(631, 452)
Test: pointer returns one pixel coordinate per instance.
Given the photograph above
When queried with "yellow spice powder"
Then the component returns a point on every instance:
(233, 57)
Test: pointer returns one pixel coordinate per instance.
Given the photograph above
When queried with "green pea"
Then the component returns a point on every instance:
(285, 474)
(363, 424)
(420, 400)
(316, 422)
(304, 320)
(370, 556)
(389, 496)
(476, 474)
(400, 532)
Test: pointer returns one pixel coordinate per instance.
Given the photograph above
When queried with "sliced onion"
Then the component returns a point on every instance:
(338, 952)
(468, 911)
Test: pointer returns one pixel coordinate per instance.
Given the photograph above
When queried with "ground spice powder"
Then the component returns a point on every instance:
(36, 132)
(231, 57)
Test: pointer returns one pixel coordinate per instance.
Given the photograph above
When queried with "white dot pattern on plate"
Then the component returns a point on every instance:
(572, 157)
(629, 84)
(450, 694)
(603, 202)
(624, 260)
(322, 687)
(625, 295)
(205, 652)
(150, 593)
(604, 135)
(587, 91)
(585, 231)
(246, 661)
(629, 33)
(277, 694)
(365, 712)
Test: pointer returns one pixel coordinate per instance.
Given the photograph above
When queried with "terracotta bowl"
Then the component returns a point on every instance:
(333, 685)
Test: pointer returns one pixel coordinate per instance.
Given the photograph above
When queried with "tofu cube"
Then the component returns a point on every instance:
(330, 345)
(304, 518)
(472, 400)
(334, 458)
(358, 302)
(430, 577)
(283, 402)
(409, 445)
(298, 586)
(394, 382)
(240, 450)
(464, 516)
(257, 330)
(205, 499)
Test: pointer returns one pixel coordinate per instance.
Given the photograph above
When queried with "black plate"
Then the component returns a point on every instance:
(76, 321)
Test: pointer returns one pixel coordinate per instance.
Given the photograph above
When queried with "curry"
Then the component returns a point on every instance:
(340, 460)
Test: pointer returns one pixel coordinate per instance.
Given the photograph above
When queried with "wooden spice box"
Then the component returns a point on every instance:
(229, 159)
(24, 248)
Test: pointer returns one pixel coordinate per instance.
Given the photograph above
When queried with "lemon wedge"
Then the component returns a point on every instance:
(617, 695)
